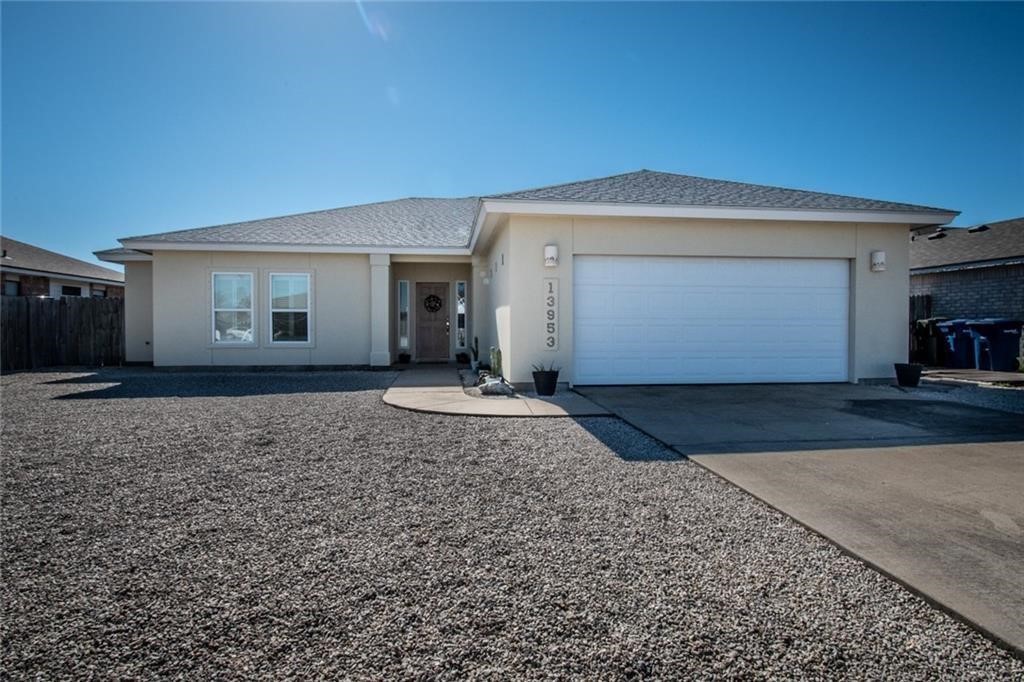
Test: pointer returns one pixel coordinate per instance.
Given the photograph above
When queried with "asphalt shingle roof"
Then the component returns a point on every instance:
(429, 223)
(27, 257)
(653, 187)
(448, 223)
(1000, 241)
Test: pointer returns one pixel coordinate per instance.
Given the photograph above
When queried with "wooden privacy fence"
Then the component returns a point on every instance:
(45, 332)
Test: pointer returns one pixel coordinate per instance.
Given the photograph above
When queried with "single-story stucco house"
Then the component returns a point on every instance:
(640, 278)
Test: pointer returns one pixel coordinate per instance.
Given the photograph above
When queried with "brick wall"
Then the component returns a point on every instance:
(984, 292)
(32, 285)
(115, 292)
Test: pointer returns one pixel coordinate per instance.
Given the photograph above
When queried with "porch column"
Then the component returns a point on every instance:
(380, 309)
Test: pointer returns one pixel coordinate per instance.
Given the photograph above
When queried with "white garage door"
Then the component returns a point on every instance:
(662, 320)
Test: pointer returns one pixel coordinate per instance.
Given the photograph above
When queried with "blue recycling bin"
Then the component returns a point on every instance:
(996, 343)
(959, 343)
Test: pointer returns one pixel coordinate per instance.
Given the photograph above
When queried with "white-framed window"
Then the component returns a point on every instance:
(403, 314)
(233, 320)
(461, 311)
(291, 311)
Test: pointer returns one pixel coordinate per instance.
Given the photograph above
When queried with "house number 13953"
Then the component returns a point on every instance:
(551, 313)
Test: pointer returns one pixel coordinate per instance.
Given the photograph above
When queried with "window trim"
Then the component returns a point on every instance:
(214, 310)
(465, 315)
(408, 315)
(308, 309)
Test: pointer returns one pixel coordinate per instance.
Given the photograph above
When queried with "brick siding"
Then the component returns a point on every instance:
(984, 292)
(32, 285)
(115, 292)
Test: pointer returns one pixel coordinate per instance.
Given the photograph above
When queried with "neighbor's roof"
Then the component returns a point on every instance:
(1000, 241)
(429, 223)
(448, 223)
(27, 257)
(653, 187)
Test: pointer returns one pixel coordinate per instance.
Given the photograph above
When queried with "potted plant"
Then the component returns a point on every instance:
(908, 374)
(545, 380)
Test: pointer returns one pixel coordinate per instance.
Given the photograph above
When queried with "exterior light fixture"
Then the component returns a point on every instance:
(551, 256)
(878, 261)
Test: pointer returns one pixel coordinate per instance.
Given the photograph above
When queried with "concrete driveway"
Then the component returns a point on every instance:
(925, 488)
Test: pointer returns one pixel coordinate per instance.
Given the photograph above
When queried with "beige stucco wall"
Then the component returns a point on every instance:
(878, 327)
(495, 326)
(430, 272)
(138, 311)
(182, 308)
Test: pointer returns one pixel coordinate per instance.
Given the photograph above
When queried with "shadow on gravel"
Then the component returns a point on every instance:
(628, 444)
(150, 384)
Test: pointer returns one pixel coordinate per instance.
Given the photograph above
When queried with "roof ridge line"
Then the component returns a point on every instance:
(562, 184)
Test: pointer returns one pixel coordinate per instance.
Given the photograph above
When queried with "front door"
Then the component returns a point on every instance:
(432, 321)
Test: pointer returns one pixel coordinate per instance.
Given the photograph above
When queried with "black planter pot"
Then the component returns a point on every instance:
(908, 374)
(545, 382)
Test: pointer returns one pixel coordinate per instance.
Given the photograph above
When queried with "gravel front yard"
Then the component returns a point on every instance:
(291, 524)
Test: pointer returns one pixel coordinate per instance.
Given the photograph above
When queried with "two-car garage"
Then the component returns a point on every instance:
(666, 320)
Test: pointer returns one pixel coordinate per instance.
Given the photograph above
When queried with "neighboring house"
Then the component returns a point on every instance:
(639, 278)
(971, 272)
(28, 270)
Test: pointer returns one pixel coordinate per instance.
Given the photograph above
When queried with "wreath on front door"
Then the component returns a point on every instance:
(432, 303)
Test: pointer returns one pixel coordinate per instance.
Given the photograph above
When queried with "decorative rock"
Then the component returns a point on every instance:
(288, 525)
(495, 387)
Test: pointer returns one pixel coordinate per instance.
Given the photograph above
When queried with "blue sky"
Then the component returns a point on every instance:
(129, 118)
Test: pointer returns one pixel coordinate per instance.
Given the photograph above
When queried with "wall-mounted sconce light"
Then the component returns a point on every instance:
(551, 256)
(878, 261)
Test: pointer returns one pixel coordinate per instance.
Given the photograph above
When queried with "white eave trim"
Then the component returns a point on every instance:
(712, 212)
(971, 265)
(123, 257)
(291, 248)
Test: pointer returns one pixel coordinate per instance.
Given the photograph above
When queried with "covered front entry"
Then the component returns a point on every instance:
(430, 313)
(676, 320)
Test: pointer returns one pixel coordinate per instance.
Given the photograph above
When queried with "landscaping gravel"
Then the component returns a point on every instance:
(275, 525)
(1007, 399)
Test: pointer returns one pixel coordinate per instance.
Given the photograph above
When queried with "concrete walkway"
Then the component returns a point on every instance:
(439, 389)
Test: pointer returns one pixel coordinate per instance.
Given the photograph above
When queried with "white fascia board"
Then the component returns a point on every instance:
(713, 212)
(61, 276)
(291, 248)
(123, 257)
(478, 226)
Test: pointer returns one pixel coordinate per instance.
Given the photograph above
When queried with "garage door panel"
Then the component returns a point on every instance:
(701, 320)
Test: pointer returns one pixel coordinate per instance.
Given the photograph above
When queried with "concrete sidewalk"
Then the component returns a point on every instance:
(439, 390)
